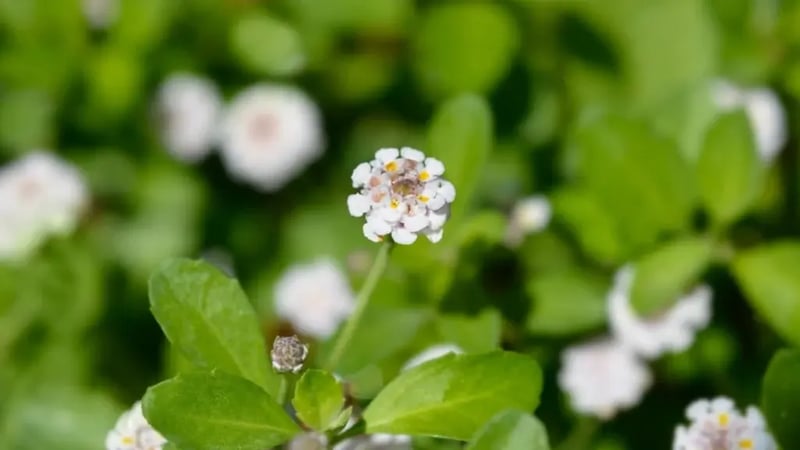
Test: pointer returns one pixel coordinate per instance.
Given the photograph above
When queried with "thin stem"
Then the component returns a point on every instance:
(362, 300)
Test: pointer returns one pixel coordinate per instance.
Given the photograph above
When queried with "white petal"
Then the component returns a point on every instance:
(436, 201)
(768, 120)
(370, 234)
(438, 218)
(358, 205)
(361, 174)
(412, 154)
(378, 225)
(434, 167)
(447, 190)
(385, 155)
(403, 236)
(435, 236)
(391, 215)
(415, 223)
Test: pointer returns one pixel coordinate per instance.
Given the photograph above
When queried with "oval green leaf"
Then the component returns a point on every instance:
(770, 276)
(215, 410)
(206, 316)
(454, 395)
(318, 399)
(267, 45)
(729, 171)
(780, 397)
(511, 430)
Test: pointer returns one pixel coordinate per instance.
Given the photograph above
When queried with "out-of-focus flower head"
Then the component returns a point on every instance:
(717, 425)
(288, 354)
(133, 432)
(401, 193)
(188, 111)
(764, 110)
(529, 215)
(670, 331)
(269, 134)
(378, 441)
(430, 353)
(603, 377)
(100, 14)
(40, 195)
(315, 298)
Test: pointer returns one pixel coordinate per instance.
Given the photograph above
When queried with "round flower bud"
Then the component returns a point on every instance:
(288, 354)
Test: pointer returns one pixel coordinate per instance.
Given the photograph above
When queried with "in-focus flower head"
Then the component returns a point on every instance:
(672, 330)
(188, 111)
(288, 354)
(717, 425)
(402, 194)
(603, 377)
(133, 432)
(269, 134)
(764, 111)
(315, 298)
(40, 195)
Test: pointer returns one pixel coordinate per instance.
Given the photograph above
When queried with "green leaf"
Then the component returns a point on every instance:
(206, 315)
(267, 45)
(780, 397)
(566, 302)
(214, 410)
(770, 276)
(474, 334)
(318, 399)
(639, 177)
(729, 171)
(453, 396)
(449, 57)
(460, 135)
(663, 275)
(511, 430)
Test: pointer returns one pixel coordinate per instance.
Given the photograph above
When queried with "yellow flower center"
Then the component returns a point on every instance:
(424, 175)
(391, 166)
(723, 420)
(128, 440)
(746, 443)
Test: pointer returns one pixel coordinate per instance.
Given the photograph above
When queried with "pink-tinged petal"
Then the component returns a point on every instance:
(403, 236)
(415, 223)
(435, 236)
(358, 205)
(434, 167)
(385, 155)
(378, 225)
(361, 175)
(412, 154)
(447, 190)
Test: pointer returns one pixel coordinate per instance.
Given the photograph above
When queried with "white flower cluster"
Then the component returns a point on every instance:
(100, 14)
(402, 194)
(267, 134)
(40, 196)
(315, 298)
(764, 111)
(718, 425)
(608, 375)
(133, 432)
(317, 441)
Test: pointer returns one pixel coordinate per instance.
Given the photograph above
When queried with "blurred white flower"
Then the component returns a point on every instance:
(40, 195)
(100, 14)
(315, 298)
(603, 377)
(402, 193)
(430, 353)
(269, 134)
(188, 110)
(133, 432)
(529, 215)
(378, 441)
(311, 440)
(718, 425)
(672, 330)
(764, 110)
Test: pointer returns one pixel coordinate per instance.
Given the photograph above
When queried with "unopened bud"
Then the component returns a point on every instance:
(288, 354)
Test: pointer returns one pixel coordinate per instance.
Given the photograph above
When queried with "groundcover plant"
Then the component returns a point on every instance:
(399, 224)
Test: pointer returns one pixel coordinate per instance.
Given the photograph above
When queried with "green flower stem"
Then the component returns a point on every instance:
(362, 300)
(286, 390)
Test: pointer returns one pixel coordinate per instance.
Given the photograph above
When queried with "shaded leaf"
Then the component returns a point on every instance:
(511, 430)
